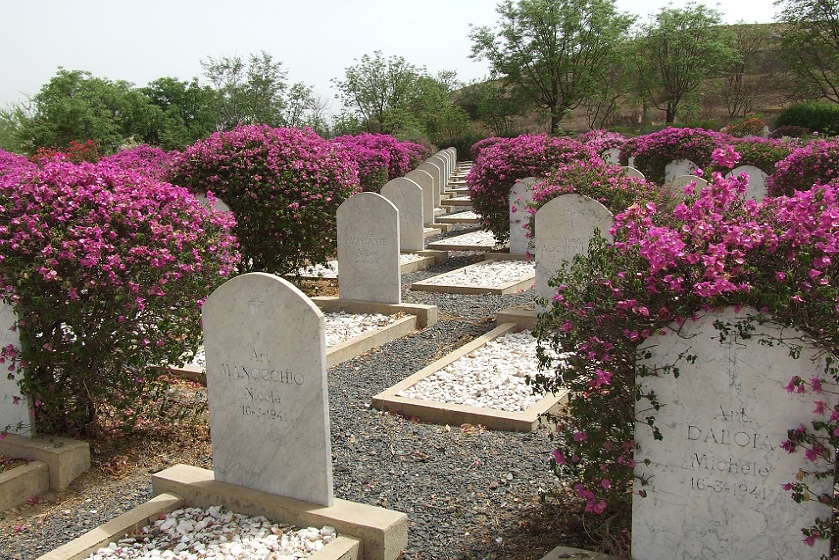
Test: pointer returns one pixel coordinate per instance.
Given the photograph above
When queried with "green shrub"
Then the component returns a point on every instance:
(814, 116)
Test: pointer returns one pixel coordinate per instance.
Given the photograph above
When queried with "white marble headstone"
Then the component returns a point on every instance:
(219, 204)
(612, 156)
(715, 478)
(406, 195)
(520, 196)
(426, 183)
(435, 169)
(677, 184)
(756, 187)
(630, 171)
(14, 407)
(564, 228)
(368, 249)
(678, 167)
(267, 388)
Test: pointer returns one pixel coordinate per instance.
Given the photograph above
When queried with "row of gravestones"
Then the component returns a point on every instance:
(680, 173)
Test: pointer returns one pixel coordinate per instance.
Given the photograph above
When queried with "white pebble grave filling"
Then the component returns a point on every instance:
(491, 376)
(339, 327)
(480, 237)
(489, 273)
(193, 533)
(330, 270)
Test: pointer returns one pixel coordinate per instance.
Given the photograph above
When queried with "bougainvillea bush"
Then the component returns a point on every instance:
(716, 249)
(76, 152)
(653, 152)
(500, 165)
(815, 163)
(762, 153)
(371, 163)
(284, 186)
(152, 161)
(476, 148)
(602, 140)
(106, 270)
(752, 126)
(373, 152)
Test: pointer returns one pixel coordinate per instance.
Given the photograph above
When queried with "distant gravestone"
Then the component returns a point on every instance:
(564, 228)
(436, 171)
(441, 159)
(267, 388)
(14, 407)
(368, 249)
(678, 167)
(407, 197)
(426, 183)
(520, 196)
(677, 184)
(219, 204)
(756, 188)
(715, 479)
(630, 171)
(612, 156)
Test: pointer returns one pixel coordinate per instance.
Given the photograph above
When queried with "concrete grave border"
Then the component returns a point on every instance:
(457, 414)
(65, 458)
(20, 483)
(449, 244)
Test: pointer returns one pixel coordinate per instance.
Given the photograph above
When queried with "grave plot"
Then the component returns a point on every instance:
(457, 202)
(467, 217)
(270, 429)
(480, 240)
(483, 382)
(408, 263)
(347, 335)
(495, 276)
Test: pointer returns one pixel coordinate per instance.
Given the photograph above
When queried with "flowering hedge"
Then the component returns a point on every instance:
(653, 152)
(607, 184)
(152, 161)
(106, 269)
(602, 140)
(762, 153)
(714, 250)
(750, 127)
(381, 157)
(501, 165)
(814, 163)
(476, 148)
(284, 186)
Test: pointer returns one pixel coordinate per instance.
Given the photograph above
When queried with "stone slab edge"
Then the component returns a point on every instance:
(506, 256)
(427, 285)
(66, 458)
(20, 483)
(114, 529)
(524, 318)
(456, 414)
(446, 245)
(567, 553)
(456, 220)
(383, 533)
(349, 349)
(426, 314)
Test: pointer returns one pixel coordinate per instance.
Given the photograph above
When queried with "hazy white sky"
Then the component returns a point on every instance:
(316, 40)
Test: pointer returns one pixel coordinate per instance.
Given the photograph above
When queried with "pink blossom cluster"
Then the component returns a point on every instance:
(284, 186)
(602, 140)
(475, 149)
(500, 165)
(106, 268)
(817, 162)
(150, 160)
(398, 157)
(652, 152)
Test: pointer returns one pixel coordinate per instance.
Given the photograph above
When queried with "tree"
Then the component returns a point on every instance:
(75, 106)
(810, 43)
(554, 51)
(496, 104)
(741, 84)
(677, 51)
(187, 108)
(376, 86)
(255, 92)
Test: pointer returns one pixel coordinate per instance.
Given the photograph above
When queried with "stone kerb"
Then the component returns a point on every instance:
(436, 171)
(630, 171)
(426, 182)
(715, 479)
(520, 196)
(266, 388)
(368, 249)
(678, 167)
(564, 228)
(15, 409)
(756, 188)
(406, 195)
